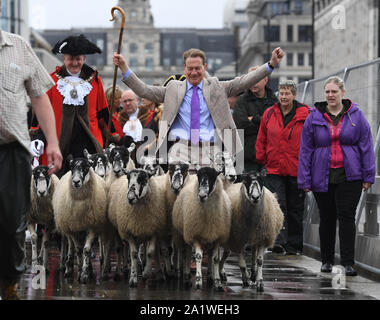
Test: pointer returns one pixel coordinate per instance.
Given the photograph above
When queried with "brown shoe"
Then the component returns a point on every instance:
(10, 293)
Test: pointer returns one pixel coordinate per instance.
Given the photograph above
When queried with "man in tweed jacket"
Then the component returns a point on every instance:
(213, 93)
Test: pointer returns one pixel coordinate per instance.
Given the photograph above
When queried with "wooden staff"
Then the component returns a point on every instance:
(116, 67)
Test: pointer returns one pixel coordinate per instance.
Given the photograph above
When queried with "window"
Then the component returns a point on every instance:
(180, 46)
(149, 48)
(149, 64)
(100, 44)
(166, 45)
(133, 63)
(290, 33)
(310, 59)
(133, 48)
(133, 13)
(301, 59)
(305, 33)
(289, 59)
(179, 62)
(298, 6)
(285, 8)
(276, 10)
(274, 34)
(166, 62)
(4, 12)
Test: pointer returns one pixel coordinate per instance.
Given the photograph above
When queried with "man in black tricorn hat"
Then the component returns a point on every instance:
(78, 100)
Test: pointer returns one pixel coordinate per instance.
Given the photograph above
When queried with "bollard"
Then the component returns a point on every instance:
(371, 225)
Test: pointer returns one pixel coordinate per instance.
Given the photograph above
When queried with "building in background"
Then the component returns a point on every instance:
(14, 17)
(153, 53)
(282, 23)
(346, 34)
(235, 16)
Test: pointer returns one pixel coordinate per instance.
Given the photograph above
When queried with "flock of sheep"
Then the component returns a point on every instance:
(164, 219)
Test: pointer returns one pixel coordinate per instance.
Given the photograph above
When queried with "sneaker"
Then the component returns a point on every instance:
(350, 271)
(326, 267)
(10, 293)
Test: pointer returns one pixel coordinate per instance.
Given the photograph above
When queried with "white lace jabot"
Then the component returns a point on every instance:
(74, 90)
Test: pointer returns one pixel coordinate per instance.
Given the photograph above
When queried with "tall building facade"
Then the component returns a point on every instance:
(286, 24)
(14, 17)
(235, 16)
(346, 33)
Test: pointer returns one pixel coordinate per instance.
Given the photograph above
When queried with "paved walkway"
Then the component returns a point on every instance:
(285, 278)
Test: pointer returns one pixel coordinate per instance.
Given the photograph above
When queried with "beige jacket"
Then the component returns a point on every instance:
(215, 93)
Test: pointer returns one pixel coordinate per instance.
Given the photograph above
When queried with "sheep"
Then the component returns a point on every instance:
(79, 204)
(171, 183)
(120, 158)
(256, 221)
(140, 209)
(99, 162)
(121, 251)
(202, 214)
(41, 211)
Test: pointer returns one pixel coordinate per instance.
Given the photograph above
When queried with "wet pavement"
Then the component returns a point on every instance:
(285, 278)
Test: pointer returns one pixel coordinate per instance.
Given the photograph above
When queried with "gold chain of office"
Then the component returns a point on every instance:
(74, 91)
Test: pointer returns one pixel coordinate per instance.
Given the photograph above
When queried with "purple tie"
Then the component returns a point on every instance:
(195, 116)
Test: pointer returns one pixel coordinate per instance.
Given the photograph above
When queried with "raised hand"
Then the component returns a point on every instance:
(277, 56)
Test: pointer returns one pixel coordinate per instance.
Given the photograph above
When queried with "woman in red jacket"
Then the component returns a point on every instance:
(277, 147)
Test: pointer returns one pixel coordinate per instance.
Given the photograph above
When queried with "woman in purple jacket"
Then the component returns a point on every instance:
(336, 162)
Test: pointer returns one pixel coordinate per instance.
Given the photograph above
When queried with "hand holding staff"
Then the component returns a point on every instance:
(115, 72)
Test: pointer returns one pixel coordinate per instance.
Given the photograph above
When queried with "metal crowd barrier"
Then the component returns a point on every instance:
(363, 87)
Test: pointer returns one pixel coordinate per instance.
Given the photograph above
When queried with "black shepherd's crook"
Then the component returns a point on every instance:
(115, 72)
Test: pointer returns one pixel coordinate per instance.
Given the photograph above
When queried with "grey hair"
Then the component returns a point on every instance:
(337, 80)
(288, 84)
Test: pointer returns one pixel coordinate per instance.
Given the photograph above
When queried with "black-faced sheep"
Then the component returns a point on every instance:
(140, 209)
(41, 211)
(256, 221)
(202, 214)
(79, 204)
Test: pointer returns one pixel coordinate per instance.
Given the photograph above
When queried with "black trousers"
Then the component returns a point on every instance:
(15, 177)
(291, 201)
(338, 203)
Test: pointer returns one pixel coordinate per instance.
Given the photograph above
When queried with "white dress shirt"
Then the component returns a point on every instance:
(133, 127)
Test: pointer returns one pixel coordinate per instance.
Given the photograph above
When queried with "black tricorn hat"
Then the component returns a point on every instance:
(180, 77)
(76, 45)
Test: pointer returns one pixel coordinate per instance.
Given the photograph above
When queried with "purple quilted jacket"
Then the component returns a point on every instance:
(315, 151)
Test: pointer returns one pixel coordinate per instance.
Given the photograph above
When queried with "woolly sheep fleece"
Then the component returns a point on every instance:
(82, 209)
(142, 220)
(204, 222)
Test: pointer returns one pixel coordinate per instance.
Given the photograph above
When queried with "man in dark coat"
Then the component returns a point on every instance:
(248, 110)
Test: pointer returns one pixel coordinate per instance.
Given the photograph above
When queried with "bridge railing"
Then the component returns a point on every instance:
(363, 87)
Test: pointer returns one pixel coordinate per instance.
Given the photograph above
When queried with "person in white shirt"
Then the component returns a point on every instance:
(132, 126)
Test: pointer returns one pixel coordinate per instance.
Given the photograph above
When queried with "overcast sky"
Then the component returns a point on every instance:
(66, 14)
